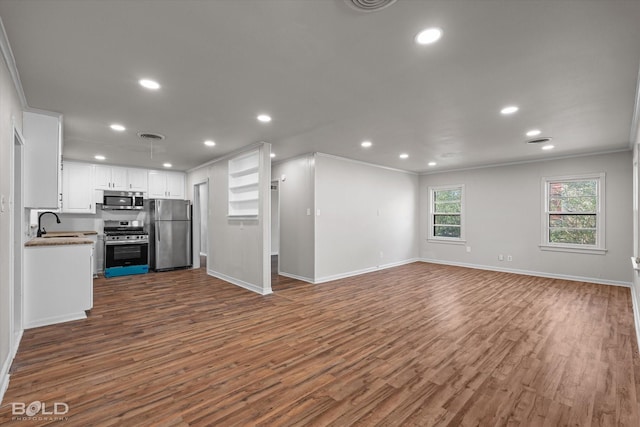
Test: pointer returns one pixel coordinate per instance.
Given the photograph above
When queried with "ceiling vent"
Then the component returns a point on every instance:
(150, 136)
(369, 5)
(543, 140)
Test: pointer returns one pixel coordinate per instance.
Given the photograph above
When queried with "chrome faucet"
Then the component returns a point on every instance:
(42, 231)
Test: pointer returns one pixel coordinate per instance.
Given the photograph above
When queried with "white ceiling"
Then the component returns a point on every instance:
(331, 77)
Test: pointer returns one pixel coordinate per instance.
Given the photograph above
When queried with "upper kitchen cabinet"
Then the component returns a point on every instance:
(77, 191)
(166, 185)
(138, 179)
(110, 178)
(43, 159)
(120, 179)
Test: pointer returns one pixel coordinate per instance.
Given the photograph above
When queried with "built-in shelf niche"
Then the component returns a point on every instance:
(244, 185)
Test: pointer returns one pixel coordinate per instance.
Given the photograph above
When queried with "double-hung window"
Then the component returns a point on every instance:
(446, 213)
(573, 218)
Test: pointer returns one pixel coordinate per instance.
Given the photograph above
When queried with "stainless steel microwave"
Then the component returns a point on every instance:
(122, 200)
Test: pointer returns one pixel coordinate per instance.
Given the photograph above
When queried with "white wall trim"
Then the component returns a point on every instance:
(293, 276)
(246, 285)
(4, 376)
(56, 319)
(364, 271)
(633, 132)
(228, 156)
(10, 60)
(531, 273)
(346, 159)
(524, 162)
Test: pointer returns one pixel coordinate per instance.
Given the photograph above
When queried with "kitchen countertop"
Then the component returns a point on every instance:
(57, 238)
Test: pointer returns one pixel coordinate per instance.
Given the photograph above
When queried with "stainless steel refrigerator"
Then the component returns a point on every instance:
(169, 234)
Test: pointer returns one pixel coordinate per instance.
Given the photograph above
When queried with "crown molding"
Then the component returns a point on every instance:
(7, 54)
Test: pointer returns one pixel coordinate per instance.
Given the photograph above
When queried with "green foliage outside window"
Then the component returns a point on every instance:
(573, 209)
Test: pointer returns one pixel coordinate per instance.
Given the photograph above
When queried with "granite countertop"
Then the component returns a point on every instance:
(57, 238)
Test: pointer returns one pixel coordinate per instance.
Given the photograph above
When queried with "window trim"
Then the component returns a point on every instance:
(599, 247)
(450, 240)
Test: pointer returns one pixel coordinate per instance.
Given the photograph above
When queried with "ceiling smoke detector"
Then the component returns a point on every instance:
(369, 5)
(544, 140)
(151, 136)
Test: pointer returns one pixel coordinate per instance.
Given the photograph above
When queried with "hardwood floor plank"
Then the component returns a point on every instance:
(416, 345)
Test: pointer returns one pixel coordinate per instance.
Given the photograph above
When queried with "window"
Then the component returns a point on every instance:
(446, 216)
(573, 213)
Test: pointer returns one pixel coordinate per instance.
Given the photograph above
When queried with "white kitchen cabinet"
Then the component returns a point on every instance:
(58, 283)
(42, 160)
(110, 178)
(166, 185)
(138, 180)
(77, 191)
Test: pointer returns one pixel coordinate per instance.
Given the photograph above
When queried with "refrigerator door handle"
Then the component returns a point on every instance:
(157, 231)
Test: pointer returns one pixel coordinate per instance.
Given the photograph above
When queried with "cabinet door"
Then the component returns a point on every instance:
(77, 191)
(175, 185)
(102, 177)
(42, 161)
(138, 180)
(119, 180)
(157, 185)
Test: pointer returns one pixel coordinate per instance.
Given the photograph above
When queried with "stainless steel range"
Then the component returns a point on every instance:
(126, 248)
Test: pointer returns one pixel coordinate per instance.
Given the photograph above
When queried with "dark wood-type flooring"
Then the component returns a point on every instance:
(416, 345)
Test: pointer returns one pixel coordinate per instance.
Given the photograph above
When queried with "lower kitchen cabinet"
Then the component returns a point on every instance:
(58, 283)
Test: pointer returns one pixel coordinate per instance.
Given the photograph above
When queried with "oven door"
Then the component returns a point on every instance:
(124, 254)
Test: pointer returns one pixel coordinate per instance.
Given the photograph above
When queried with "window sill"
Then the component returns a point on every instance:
(447, 241)
(592, 251)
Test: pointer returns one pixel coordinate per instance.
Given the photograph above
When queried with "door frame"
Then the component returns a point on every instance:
(16, 247)
(196, 219)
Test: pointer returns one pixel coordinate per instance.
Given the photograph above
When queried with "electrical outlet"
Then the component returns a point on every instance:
(509, 258)
(381, 254)
(468, 249)
(500, 257)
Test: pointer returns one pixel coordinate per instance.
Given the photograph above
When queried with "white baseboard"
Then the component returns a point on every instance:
(6, 365)
(56, 319)
(293, 276)
(531, 273)
(4, 376)
(363, 271)
(636, 312)
(246, 285)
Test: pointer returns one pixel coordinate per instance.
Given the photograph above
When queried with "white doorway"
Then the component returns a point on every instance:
(200, 224)
(16, 233)
(275, 226)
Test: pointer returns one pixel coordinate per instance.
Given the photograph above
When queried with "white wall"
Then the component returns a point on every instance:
(296, 193)
(504, 213)
(366, 217)
(10, 107)
(239, 249)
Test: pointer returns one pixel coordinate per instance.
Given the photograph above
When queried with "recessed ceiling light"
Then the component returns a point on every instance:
(264, 118)
(404, 156)
(273, 155)
(149, 84)
(167, 165)
(428, 36)
(432, 163)
(366, 144)
(548, 147)
(209, 143)
(534, 132)
(117, 127)
(99, 157)
(509, 110)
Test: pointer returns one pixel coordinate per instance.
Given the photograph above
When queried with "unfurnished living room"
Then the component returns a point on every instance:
(319, 212)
